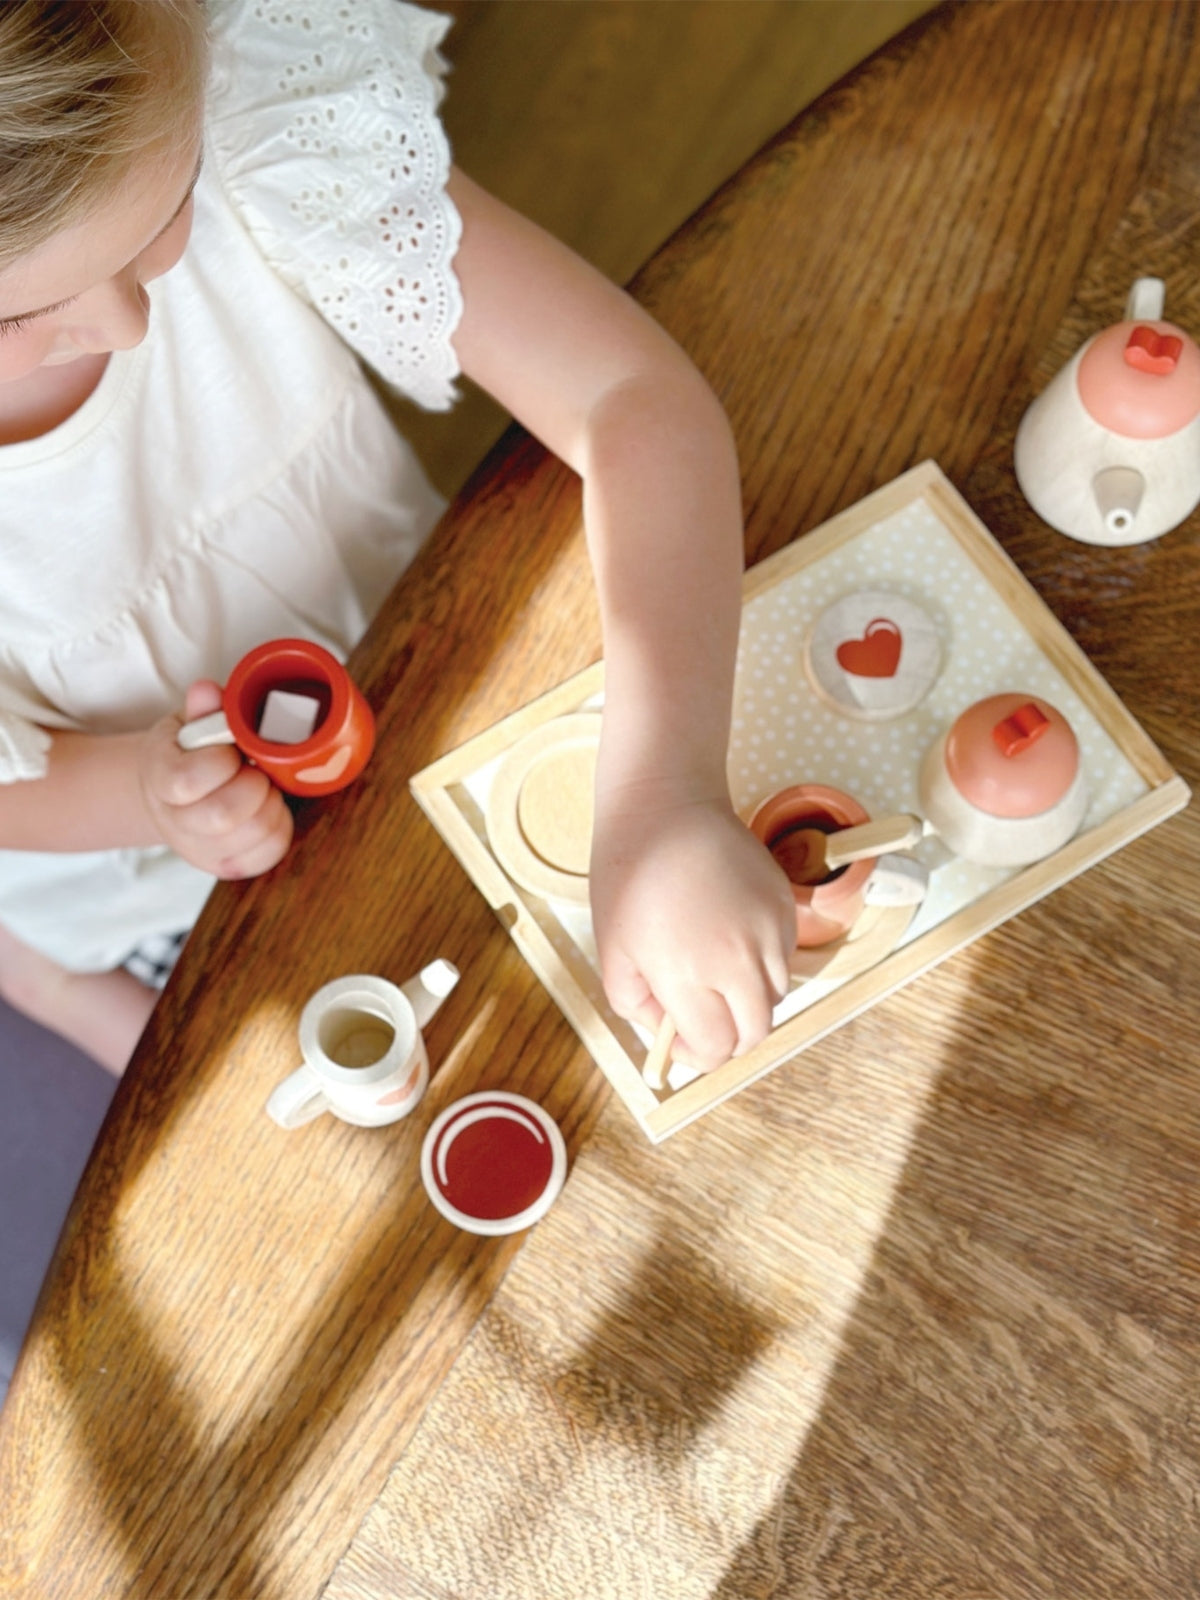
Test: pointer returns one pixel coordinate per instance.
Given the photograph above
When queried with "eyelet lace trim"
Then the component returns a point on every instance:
(323, 118)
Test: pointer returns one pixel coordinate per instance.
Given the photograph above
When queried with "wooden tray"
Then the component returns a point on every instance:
(916, 538)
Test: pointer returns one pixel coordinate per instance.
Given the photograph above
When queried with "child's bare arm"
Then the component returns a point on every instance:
(89, 798)
(691, 914)
(136, 789)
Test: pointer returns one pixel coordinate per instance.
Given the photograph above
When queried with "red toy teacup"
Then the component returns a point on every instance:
(829, 907)
(305, 677)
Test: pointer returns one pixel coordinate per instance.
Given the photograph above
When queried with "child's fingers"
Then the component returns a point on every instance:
(750, 1005)
(259, 827)
(712, 1024)
(715, 1024)
(779, 975)
(231, 805)
(627, 990)
(261, 853)
(706, 1032)
(171, 776)
(178, 777)
(203, 697)
(181, 778)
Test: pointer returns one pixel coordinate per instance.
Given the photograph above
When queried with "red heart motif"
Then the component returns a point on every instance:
(1150, 351)
(876, 654)
(329, 771)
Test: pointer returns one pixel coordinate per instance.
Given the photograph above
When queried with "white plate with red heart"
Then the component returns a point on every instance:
(873, 655)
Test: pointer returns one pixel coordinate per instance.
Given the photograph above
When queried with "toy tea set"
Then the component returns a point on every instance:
(916, 739)
(492, 1163)
(293, 710)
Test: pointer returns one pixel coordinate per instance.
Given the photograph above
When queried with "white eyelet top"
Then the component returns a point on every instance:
(323, 121)
(235, 478)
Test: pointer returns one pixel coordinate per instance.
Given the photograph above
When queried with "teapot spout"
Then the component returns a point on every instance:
(429, 988)
(1118, 492)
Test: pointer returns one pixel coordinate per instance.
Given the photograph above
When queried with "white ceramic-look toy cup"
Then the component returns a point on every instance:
(364, 1057)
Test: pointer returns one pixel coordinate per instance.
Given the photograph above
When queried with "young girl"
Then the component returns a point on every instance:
(182, 481)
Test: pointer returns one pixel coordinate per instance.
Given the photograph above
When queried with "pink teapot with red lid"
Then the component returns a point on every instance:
(1109, 452)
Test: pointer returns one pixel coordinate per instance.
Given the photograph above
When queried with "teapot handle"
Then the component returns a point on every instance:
(1146, 300)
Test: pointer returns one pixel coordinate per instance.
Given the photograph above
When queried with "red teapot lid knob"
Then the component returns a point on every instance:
(1140, 379)
(1020, 729)
(1012, 755)
(1150, 351)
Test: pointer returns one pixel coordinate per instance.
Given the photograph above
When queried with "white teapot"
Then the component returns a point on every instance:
(1109, 452)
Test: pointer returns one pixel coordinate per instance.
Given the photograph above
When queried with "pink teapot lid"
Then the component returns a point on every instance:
(1012, 755)
(1141, 379)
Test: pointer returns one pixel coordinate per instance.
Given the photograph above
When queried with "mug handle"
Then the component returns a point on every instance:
(203, 731)
(297, 1099)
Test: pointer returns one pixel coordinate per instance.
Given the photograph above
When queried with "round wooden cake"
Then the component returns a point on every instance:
(540, 810)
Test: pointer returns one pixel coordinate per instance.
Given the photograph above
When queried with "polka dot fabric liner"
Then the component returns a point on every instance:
(783, 733)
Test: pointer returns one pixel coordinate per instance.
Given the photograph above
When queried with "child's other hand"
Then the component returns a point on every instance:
(212, 808)
(692, 917)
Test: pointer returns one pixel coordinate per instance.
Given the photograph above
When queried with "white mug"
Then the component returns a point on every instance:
(364, 1057)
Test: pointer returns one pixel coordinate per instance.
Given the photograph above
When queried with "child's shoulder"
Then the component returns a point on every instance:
(296, 80)
(305, 43)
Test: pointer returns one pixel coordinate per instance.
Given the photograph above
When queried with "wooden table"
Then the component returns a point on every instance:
(915, 1315)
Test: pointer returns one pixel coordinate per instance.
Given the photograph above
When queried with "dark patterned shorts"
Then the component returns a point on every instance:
(154, 959)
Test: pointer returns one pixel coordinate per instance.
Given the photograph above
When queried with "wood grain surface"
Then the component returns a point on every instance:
(915, 1317)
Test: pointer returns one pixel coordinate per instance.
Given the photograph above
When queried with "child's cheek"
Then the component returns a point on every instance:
(166, 251)
(23, 353)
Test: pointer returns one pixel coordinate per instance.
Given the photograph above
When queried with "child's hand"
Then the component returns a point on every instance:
(209, 805)
(692, 917)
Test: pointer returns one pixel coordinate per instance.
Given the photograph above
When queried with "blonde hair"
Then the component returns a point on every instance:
(87, 87)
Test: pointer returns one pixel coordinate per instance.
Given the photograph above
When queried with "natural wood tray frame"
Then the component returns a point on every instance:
(569, 977)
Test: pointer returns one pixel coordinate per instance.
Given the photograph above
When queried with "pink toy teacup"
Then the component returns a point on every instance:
(829, 907)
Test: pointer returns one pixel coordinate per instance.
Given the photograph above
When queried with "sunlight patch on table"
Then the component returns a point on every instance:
(635, 1400)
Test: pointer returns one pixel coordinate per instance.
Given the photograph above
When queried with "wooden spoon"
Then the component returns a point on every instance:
(658, 1058)
(808, 855)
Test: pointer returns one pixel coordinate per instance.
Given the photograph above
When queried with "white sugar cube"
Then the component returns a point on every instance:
(288, 718)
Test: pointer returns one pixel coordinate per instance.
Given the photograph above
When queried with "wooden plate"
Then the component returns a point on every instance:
(540, 808)
(873, 655)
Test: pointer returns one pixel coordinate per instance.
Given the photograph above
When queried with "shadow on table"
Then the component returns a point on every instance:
(913, 1316)
(212, 1524)
(121, 1377)
(1012, 1408)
